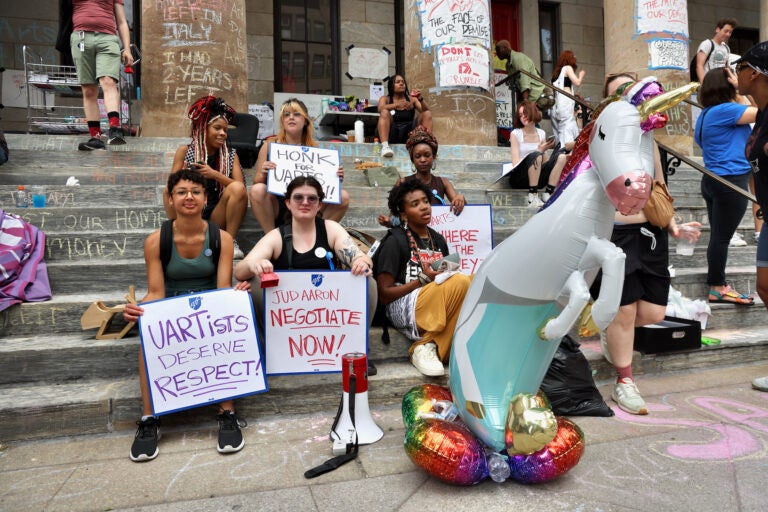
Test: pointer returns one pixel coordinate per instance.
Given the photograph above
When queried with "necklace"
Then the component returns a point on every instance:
(426, 241)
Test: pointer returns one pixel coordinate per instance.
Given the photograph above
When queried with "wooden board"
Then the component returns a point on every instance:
(190, 48)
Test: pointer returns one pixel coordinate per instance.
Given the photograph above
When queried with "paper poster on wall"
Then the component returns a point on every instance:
(669, 16)
(470, 235)
(370, 63)
(15, 90)
(668, 54)
(463, 65)
(266, 118)
(312, 318)
(463, 21)
(503, 94)
(376, 92)
(293, 161)
(200, 348)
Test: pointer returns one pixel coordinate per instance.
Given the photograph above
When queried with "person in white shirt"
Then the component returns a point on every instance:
(713, 53)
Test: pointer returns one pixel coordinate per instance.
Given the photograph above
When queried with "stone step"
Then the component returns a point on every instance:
(101, 405)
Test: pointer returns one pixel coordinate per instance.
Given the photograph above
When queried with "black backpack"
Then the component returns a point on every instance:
(166, 239)
(692, 65)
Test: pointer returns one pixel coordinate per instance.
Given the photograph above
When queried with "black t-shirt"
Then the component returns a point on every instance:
(755, 151)
(315, 258)
(394, 254)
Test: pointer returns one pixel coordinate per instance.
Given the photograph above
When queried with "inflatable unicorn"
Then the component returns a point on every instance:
(527, 295)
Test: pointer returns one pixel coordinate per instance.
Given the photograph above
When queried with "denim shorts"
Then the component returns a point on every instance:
(100, 56)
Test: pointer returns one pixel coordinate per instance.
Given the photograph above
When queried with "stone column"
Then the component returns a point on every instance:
(625, 50)
(461, 115)
(190, 49)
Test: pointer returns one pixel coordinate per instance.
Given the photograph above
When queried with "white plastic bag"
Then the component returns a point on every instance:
(683, 307)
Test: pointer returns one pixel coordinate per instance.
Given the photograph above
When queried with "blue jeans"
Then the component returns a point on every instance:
(725, 209)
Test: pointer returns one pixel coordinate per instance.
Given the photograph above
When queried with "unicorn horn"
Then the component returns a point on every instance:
(666, 100)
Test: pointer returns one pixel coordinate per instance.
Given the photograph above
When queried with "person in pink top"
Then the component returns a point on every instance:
(99, 30)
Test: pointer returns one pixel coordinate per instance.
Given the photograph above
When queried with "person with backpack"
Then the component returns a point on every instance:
(713, 53)
(305, 242)
(187, 255)
(421, 302)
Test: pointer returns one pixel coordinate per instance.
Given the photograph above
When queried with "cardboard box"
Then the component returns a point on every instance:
(669, 335)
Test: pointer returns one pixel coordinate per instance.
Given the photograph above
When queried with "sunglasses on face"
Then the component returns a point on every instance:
(299, 198)
(741, 65)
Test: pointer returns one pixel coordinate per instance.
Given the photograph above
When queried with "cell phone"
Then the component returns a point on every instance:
(550, 138)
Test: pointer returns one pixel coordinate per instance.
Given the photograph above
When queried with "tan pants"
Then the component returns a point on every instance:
(437, 311)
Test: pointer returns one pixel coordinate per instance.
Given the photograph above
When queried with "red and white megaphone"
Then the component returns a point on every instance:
(354, 403)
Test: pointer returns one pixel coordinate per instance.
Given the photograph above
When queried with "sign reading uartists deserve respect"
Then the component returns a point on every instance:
(312, 319)
(292, 161)
(200, 348)
(470, 235)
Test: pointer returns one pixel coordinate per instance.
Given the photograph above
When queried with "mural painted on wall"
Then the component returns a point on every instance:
(458, 32)
(664, 23)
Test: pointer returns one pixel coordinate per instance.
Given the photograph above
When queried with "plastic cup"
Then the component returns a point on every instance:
(38, 197)
(686, 241)
(350, 135)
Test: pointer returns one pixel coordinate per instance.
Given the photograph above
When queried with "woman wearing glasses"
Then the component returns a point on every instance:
(189, 269)
(295, 128)
(314, 244)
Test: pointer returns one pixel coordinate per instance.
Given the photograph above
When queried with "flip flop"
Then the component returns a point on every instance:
(730, 297)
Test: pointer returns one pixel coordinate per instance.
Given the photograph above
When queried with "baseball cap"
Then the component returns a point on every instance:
(757, 57)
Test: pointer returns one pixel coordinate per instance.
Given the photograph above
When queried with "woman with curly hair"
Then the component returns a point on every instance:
(295, 128)
(422, 148)
(562, 114)
(208, 153)
(422, 309)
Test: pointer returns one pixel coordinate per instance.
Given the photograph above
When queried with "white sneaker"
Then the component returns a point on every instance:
(760, 383)
(628, 398)
(238, 253)
(737, 241)
(604, 347)
(545, 196)
(386, 151)
(534, 201)
(425, 360)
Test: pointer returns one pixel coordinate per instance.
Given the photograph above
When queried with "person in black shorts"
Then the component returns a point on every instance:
(400, 111)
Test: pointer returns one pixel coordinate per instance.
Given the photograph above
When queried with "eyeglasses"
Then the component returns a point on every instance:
(287, 114)
(184, 192)
(299, 198)
(742, 65)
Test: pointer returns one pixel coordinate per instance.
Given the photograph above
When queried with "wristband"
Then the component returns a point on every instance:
(424, 279)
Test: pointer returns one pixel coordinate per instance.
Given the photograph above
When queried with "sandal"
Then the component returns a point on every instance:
(730, 296)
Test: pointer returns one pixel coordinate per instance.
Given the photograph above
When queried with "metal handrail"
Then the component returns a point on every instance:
(670, 158)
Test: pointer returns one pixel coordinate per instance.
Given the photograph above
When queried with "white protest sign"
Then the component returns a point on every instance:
(464, 21)
(200, 348)
(368, 63)
(292, 161)
(503, 93)
(312, 318)
(266, 118)
(669, 16)
(463, 65)
(668, 54)
(470, 235)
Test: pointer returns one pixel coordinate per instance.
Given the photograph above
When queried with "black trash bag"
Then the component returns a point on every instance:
(569, 386)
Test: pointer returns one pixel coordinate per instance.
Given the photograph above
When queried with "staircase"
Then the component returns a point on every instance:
(57, 380)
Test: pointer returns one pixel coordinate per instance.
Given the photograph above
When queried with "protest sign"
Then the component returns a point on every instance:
(312, 319)
(470, 235)
(200, 348)
(292, 161)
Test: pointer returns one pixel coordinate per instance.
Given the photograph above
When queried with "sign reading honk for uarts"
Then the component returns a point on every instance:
(200, 348)
(294, 161)
(312, 319)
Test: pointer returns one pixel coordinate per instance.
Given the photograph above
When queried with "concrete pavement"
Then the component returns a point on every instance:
(704, 447)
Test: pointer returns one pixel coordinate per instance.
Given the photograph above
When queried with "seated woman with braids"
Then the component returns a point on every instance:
(421, 303)
(208, 153)
(422, 148)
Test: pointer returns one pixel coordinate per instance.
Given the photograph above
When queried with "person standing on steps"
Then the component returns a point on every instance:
(191, 268)
(752, 79)
(99, 29)
(713, 53)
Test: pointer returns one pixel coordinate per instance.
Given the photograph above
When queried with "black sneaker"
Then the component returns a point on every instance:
(230, 436)
(115, 137)
(94, 143)
(145, 443)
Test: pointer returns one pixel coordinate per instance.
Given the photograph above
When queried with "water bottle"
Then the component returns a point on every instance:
(359, 131)
(324, 105)
(376, 146)
(498, 468)
(21, 198)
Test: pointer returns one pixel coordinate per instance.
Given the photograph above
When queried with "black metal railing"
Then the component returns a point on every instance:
(670, 158)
